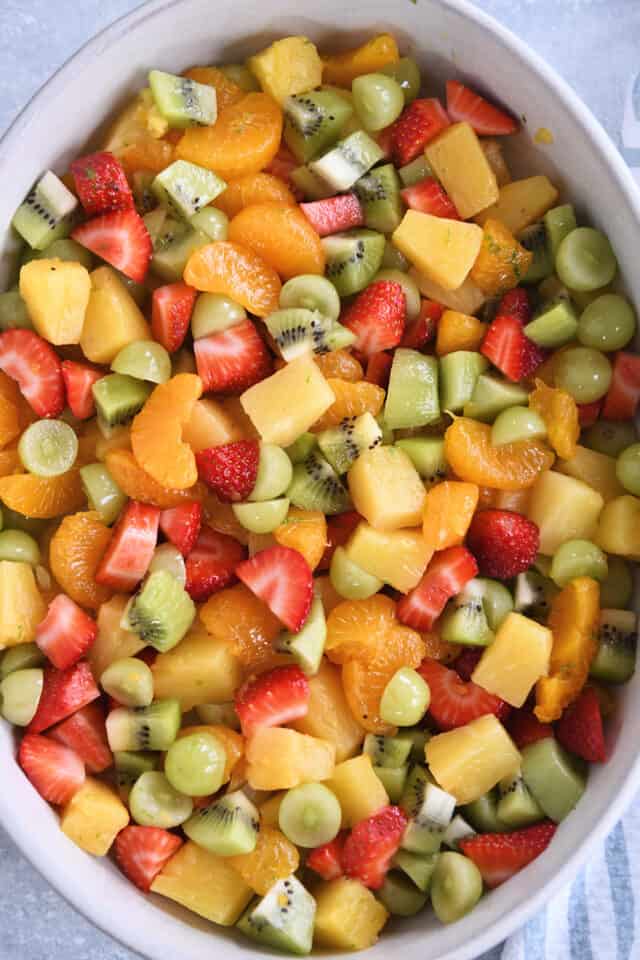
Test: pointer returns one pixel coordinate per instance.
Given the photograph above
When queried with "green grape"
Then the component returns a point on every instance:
(48, 448)
(310, 815)
(155, 803)
(195, 764)
(627, 469)
(578, 558)
(214, 313)
(583, 372)
(20, 693)
(406, 73)
(409, 288)
(144, 360)
(21, 657)
(19, 546)
(262, 517)
(212, 222)
(610, 437)
(617, 590)
(378, 100)
(129, 681)
(103, 493)
(274, 473)
(585, 260)
(311, 293)
(350, 580)
(608, 323)
(240, 74)
(517, 423)
(405, 699)
(456, 887)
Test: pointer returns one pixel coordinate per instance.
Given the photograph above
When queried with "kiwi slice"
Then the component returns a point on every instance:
(615, 660)
(415, 787)
(302, 447)
(13, 311)
(534, 239)
(417, 739)
(400, 896)
(517, 807)
(412, 395)
(129, 765)
(379, 194)
(314, 121)
(185, 188)
(63, 249)
(459, 372)
(119, 397)
(465, 622)
(483, 813)
(143, 196)
(556, 778)
(418, 868)
(388, 752)
(427, 456)
(162, 612)
(283, 919)
(533, 594)
(313, 293)
(227, 827)
(306, 646)
(172, 248)
(155, 222)
(181, 101)
(353, 257)
(144, 728)
(393, 779)
(347, 161)
(457, 830)
(297, 330)
(45, 214)
(316, 486)
(310, 184)
(342, 445)
(425, 830)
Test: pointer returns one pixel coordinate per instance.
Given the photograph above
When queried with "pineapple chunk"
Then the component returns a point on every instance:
(329, 717)
(279, 758)
(564, 509)
(619, 527)
(204, 883)
(517, 658)
(460, 164)
(521, 203)
(94, 817)
(201, 669)
(209, 426)
(21, 605)
(270, 810)
(495, 157)
(137, 122)
(113, 318)
(287, 403)
(112, 642)
(342, 68)
(360, 792)
(595, 469)
(466, 299)
(348, 916)
(397, 557)
(469, 761)
(386, 488)
(444, 250)
(56, 294)
(287, 67)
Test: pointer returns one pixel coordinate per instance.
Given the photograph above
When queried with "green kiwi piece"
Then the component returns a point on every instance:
(465, 622)
(212, 222)
(393, 779)
(226, 827)
(533, 594)
(392, 259)
(314, 121)
(283, 918)
(21, 657)
(307, 646)
(301, 448)
(119, 397)
(554, 325)
(262, 517)
(417, 739)
(350, 580)
(497, 600)
(427, 456)
(556, 778)
(412, 395)
(144, 728)
(172, 248)
(347, 161)
(20, 693)
(457, 830)
(491, 395)
(310, 184)
(185, 188)
(155, 221)
(483, 813)
(316, 486)
(379, 193)
(390, 752)
(617, 590)
(45, 214)
(311, 292)
(406, 73)
(534, 239)
(13, 312)
(167, 557)
(459, 372)
(153, 802)
(418, 867)
(181, 101)
(615, 661)
(297, 331)
(64, 249)
(429, 820)
(143, 198)
(400, 896)
(274, 473)
(413, 794)
(342, 445)
(129, 765)
(416, 171)
(353, 259)
(162, 612)
(517, 807)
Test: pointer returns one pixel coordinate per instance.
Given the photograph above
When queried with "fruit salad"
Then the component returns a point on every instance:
(320, 496)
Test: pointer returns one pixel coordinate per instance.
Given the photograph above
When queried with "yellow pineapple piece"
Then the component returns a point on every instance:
(386, 488)
(470, 760)
(204, 883)
(360, 792)
(397, 557)
(466, 299)
(270, 810)
(329, 716)
(444, 250)
(517, 658)
(342, 68)
(595, 469)
(521, 203)
(348, 916)
(201, 669)
(56, 294)
(495, 156)
(461, 165)
(288, 402)
(139, 120)
(209, 426)
(279, 758)
(112, 641)
(564, 509)
(289, 66)
(94, 817)
(21, 605)
(113, 318)
(619, 527)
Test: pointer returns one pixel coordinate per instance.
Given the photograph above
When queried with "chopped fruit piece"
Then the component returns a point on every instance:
(595, 469)
(507, 347)
(181, 526)
(254, 188)
(156, 432)
(427, 196)
(55, 771)
(350, 400)
(443, 250)
(171, 309)
(469, 761)
(515, 660)
(329, 717)
(341, 69)
(621, 402)
(360, 792)
(273, 859)
(520, 203)
(227, 92)
(236, 272)
(371, 845)
(287, 67)
(377, 317)
(417, 126)
(448, 509)
(446, 575)
(513, 466)
(66, 633)
(101, 184)
(524, 728)
(75, 552)
(137, 484)
(94, 817)
(204, 883)
(466, 298)
(130, 551)
(464, 105)
(504, 543)
(27, 358)
(334, 214)
(326, 860)
(386, 488)
(240, 618)
(356, 629)
(85, 733)
(113, 319)
(418, 333)
(121, 238)
(201, 669)
(282, 236)
(348, 916)
(455, 702)
(458, 331)
(397, 557)
(460, 164)
(379, 368)
(79, 379)
(559, 411)
(64, 692)
(272, 699)
(212, 563)
(21, 604)
(563, 508)
(279, 758)
(56, 295)
(304, 531)
(588, 413)
(580, 728)
(619, 527)
(499, 856)
(230, 469)
(339, 364)
(502, 262)
(283, 579)
(142, 853)
(233, 360)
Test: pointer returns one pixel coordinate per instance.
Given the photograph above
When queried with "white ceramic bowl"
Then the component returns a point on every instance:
(449, 38)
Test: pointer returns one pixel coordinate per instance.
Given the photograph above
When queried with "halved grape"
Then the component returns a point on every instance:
(378, 100)
(517, 423)
(212, 222)
(262, 517)
(456, 887)
(627, 469)
(144, 360)
(405, 699)
(350, 580)
(312, 293)
(274, 473)
(48, 448)
(21, 657)
(19, 546)
(155, 803)
(578, 558)
(608, 323)
(585, 260)
(583, 372)
(167, 557)
(195, 764)
(129, 681)
(214, 313)
(103, 493)
(310, 815)
(406, 73)
(610, 437)
(20, 695)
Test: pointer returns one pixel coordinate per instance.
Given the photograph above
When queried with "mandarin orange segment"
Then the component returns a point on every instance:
(147, 154)
(236, 272)
(341, 69)
(341, 365)
(438, 649)
(43, 498)
(254, 188)
(241, 619)
(232, 742)
(559, 411)
(357, 628)
(9, 421)
(352, 400)
(448, 511)
(512, 466)
(75, 552)
(11, 392)
(10, 461)
(282, 236)
(139, 485)
(244, 138)
(156, 432)
(502, 262)
(459, 331)
(306, 532)
(227, 92)
(273, 858)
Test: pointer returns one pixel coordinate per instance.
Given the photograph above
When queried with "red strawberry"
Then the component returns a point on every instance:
(171, 309)
(101, 183)
(508, 349)
(498, 856)
(621, 402)
(466, 106)
(282, 166)
(272, 699)
(428, 196)
(127, 558)
(232, 361)
(588, 413)
(339, 529)
(465, 664)
(326, 860)
(445, 577)
(212, 563)
(85, 732)
(121, 238)
(181, 526)
(66, 633)
(579, 729)
(423, 329)
(377, 317)
(515, 303)
(417, 126)
(142, 852)
(371, 845)
(525, 728)
(64, 692)
(27, 358)
(384, 139)
(55, 771)
(79, 379)
(282, 578)
(379, 368)
(230, 469)
(334, 214)
(455, 702)
(503, 542)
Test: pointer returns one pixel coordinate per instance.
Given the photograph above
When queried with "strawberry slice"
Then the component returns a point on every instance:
(384, 139)
(503, 542)
(121, 238)
(465, 664)
(212, 563)
(428, 196)
(79, 379)
(515, 303)
(508, 349)
(498, 856)
(334, 214)
(326, 860)
(423, 329)
(466, 106)
(339, 529)
(181, 526)
(371, 845)
(579, 729)
(55, 771)
(379, 368)
(101, 183)
(588, 413)
(63, 692)
(232, 361)
(621, 402)
(455, 702)
(230, 469)
(445, 577)
(127, 558)
(171, 309)
(416, 126)
(142, 852)
(85, 732)
(525, 728)
(377, 317)
(282, 578)
(66, 633)
(27, 358)
(272, 699)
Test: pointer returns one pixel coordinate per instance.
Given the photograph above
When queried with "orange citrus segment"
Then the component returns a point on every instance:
(254, 188)
(559, 411)
(273, 858)
(241, 619)
(156, 432)
(352, 400)
(10, 391)
(438, 649)
(227, 92)
(236, 272)
(340, 364)
(282, 236)
(9, 421)
(356, 629)
(75, 552)
(147, 154)
(502, 261)
(448, 511)
(512, 466)
(342, 68)
(306, 532)
(139, 485)
(10, 461)
(43, 497)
